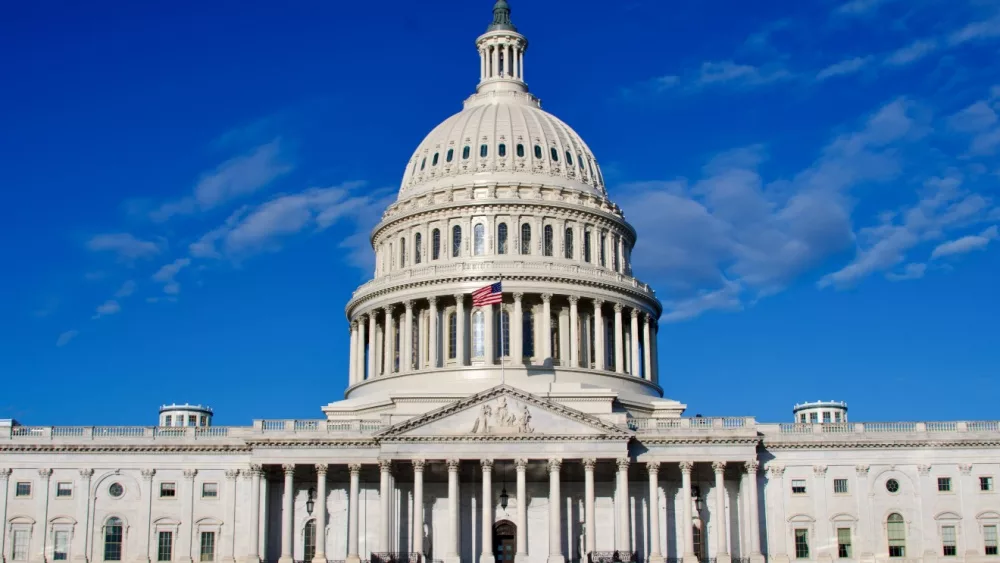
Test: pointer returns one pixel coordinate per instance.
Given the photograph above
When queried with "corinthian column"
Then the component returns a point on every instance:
(418, 506)
(82, 511)
(406, 358)
(687, 523)
(389, 341)
(574, 330)
(722, 551)
(352, 370)
(624, 524)
(522, 511)
(253, 550)
(287, 496)
(619, 348)
(460, 326)
(451, 550)
(752, 467)
(647, 349)
(352, 514)
(385, 500)
(555, 521)
(589, 514)
(599, 353)
(372, 339)
(634, 332)
(434, 331)
(547, 328)
(655, 555)
(517, 334)
(487, 502)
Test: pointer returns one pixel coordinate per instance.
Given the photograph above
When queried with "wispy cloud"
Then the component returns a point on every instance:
(911, 271)
(231, 180)
(965, 244)
(843, 68)
(66, 337)
(728, 72)
(126, 246)
(109, 307)
(974, 31)
(911, 53)
(167, 274)
(127, 289)
(859, 7)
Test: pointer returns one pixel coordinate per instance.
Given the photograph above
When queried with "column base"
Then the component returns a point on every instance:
(487, 558)
(285, 559)
(520, 558)
(228, 560)
(353, 559)
(690, 558)
(249, 559)
(320, 558)
(723, 558)
(779, 558)
(76, 558)
(185, 560)
(452, 559)
(756, 558)
(824, 558)
(556, 558)
(656, 558)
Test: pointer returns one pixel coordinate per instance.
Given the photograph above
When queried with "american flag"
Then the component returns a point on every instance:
(488, 295)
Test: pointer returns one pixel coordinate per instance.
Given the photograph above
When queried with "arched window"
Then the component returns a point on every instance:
(418, 242)
(525, 239)
(434, 161)
(586, 245)
(579, 161)
(402, 253)
(547, 241)
(896, 532)
(538, 152)
(528, 332)
(569, 243)
(554, 154)
(309, 540)
(569, 159)
(452, 336)
(478, 335)
(479, 239)
(423, 163)
(456, 241)
(502, 150)
(484, 150)
(602, 252)
(465, 152)
(435, 244)
(501, 334)
(450, 155)
(113, 530)
(520, 150)
(502, 238)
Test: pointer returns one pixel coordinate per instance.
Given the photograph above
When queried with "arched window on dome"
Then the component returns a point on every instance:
(402, 253)
(501, 334)
(547, 241)
(895, 528)
(520, 150)
(465, 152)
(423, 163)
(418, 242)
(309, 540)
(456, 241)
(113, 539)
(525, 239)
(449, 155)
(586, 245)
(569, 242)
(528, 335)
(603, 255)
(590, 165)
(579, 162)
(484, 150)
(435, 244)
(538, 152)
(452, 336)
(478, 334)
(554, 154)
(434, 161)
(569, 159)
(479, 239)
(502, 150)
(502, 238)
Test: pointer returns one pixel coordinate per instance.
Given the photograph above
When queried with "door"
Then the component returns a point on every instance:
(504, 541)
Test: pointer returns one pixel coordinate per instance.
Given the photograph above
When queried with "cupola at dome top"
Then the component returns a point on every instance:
(502, 136)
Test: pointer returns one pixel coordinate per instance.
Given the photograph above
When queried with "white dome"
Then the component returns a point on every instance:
(521, 143)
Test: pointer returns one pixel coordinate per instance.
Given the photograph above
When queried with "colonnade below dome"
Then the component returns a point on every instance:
(526, 330)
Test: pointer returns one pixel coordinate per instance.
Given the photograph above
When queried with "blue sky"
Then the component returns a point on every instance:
(189, 187)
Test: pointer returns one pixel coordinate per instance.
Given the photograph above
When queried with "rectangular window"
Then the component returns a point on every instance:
(60, 549)
(64, 490)
(826, 417)
(168, 490)
(165, 546)
(798, 486)
(168, 420)
(208, 546)
(990, 539)
(986, 484)
(801, 543)
(949, 547)
(840, 486)
(803, 418)
(19, 549)
(192, 420)
(844, 543)
(836, 417)
(23, 489)
(944, 484)
(209, 490)
(813, 418)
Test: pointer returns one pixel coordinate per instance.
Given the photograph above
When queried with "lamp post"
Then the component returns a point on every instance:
(311, 501)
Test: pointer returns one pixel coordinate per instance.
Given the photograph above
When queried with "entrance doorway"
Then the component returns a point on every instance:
(504, 541)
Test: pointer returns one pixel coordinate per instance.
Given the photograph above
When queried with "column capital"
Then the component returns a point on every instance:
(589, 463)
(385, 465)
(362, 318)
(924, 470)
(518, 295)
(373, 314)
(147, 474)
(408, 304)
(190, 474)
(718, 466)
(635, 313)
(648, 319)
(862, 470)
(653, 467)
(4, 473)
(433, 300)
(288, 468)
(45, 473)
(686, 466)
(460, 299)
(354, 325)
(388, 310)
(622, 463)
(598, 303)
(487, 465)
(573, 299)
(546, 297)
(418, 464)
(520, 464)
(555, 464)
(86, 473)
(819, 470)
(965, 468)
(619, 307)
(453, 464)
(322, 468)
(256, 469)
(778, 471)
(752, 466)
(232, 474)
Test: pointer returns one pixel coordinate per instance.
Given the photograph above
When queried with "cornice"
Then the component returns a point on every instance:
(882, 444)
(125, 448)
(517, 439)
(687, 440)
(313, 442)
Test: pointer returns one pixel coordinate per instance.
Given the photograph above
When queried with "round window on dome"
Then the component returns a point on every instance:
(554, 154)
(116, 490)
(434, 162)
(538, 151)
(465, 153)
(520, 150)
(892, 486)
(450, 155)
(502, 150)
(483, 150)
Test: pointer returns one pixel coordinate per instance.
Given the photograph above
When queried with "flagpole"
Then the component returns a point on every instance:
(503, 377)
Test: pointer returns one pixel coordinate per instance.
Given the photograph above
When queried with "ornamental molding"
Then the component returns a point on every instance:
(895, 445)
(694, 440)
(124, 448)
(924, 470)
(862, 470)
(965, 468)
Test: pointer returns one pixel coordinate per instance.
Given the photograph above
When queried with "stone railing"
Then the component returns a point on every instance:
(992, 426)
(661, 425)
(613, 557)
(472, 266)
(259, 428)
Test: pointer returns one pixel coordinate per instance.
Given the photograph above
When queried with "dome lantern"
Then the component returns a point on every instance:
(501, 53)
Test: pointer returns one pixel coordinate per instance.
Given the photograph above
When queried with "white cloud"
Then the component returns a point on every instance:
(912, 52)
(975, 31)
(66, 337)
(168, 272)
(843, 68)
(965, 244)
(911, 271)
(977, 117)
(728, 72)
(127, 289)
(231, 180)
(859, 7)
(109, 307)
(125, 245)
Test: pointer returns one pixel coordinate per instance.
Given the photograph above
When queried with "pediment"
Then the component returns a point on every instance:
(500, 413)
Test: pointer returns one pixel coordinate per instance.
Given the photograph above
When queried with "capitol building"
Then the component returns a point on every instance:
(526, 421)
